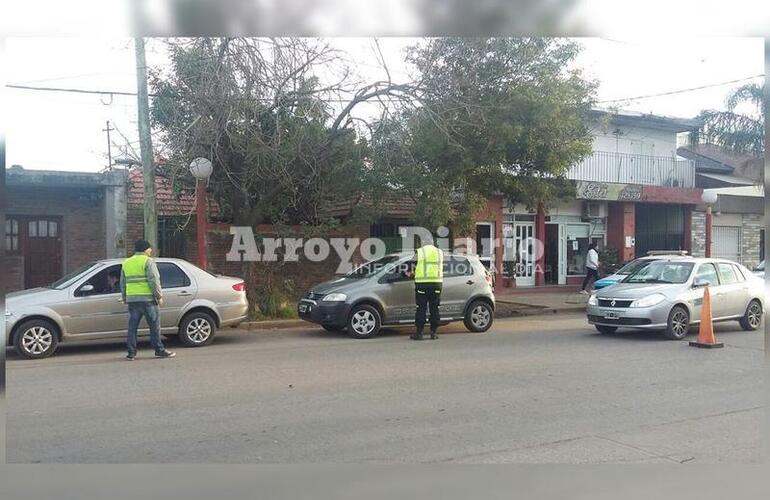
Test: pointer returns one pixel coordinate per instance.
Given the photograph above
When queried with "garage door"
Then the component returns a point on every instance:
(726, 243)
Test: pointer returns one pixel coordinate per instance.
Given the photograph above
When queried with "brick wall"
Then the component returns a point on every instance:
(698, 236)
(621, 222)
(82, 214)
(13, 273)
(752, 224)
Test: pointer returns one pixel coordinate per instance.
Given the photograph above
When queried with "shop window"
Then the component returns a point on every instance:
(761, 244)
(577, 248)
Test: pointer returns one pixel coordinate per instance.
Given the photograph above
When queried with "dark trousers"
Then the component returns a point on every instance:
(151, 313)
(590, 273)
(427, 295)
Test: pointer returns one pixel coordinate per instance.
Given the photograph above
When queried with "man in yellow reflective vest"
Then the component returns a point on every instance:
(428, 279)
(141, 290)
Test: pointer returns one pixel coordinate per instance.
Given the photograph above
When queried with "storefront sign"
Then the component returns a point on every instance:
(608, 191)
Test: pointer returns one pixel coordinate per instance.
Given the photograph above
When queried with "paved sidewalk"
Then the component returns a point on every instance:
(528, 303)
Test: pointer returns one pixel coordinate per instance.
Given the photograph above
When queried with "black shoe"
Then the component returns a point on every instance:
(417, 336)
(433, 336)
(165, 354)
(130, 357)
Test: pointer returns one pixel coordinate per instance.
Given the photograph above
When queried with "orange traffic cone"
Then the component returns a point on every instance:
(706, 338)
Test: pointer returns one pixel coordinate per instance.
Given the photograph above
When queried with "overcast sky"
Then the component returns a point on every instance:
(64, 131)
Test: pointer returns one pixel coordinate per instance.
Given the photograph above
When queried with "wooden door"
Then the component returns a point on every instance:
(42, 248)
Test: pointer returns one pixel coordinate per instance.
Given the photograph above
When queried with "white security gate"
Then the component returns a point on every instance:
(524, 243)
(726, 242)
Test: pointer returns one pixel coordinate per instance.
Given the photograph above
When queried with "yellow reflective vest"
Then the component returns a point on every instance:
(135, 273)
(430, 265)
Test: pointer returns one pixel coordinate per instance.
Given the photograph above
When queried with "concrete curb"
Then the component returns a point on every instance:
(295, 323)
(544, 311)
(273, 323)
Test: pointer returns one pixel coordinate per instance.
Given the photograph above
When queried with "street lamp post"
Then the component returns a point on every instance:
(201, 169)
(709, 198)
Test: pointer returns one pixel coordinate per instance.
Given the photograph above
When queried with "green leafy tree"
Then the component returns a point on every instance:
(494, 115)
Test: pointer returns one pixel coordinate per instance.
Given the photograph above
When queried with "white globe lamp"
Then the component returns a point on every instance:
(201, 168)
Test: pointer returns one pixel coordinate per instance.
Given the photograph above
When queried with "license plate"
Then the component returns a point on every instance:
(304, 308)
(611, 315)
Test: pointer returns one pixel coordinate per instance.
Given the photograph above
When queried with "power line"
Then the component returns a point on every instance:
(133, 94)
(681, 91)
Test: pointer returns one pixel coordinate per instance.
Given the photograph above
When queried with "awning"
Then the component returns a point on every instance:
(728, 180)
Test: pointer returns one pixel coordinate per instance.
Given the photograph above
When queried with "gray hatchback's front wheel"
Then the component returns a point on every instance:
(364, 322)
(678, 323)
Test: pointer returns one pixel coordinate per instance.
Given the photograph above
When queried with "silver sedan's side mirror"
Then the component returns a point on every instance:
(88, 287)
(699, 283)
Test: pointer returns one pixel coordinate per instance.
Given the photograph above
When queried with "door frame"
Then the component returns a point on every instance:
(523, 280)
(491, 258)
(561, 259)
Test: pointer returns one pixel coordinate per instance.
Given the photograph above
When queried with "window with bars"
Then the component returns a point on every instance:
(12, 235)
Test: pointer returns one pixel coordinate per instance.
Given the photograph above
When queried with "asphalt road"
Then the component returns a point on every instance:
(537, 389)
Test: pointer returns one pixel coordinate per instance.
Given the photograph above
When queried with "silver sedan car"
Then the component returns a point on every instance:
(86, 305)
(668, 295)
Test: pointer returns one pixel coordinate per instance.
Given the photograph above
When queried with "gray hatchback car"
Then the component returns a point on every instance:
(85, 305)
(381, 293)
(667, 295)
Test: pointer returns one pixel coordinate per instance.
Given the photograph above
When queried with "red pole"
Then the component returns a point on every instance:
(201, 223)
(708, 231)
(540, 236)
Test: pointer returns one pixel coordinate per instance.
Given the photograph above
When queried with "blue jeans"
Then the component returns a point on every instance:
(151, 313)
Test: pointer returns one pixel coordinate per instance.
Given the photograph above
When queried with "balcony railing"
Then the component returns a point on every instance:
(626, 168)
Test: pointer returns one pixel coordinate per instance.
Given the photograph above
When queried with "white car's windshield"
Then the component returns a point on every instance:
(661, 272)
(634, 266)
(67, 279)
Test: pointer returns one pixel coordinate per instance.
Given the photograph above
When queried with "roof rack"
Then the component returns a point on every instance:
(668, 252)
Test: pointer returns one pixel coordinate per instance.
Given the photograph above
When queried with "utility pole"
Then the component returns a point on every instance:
(145, 143)
(109, 145)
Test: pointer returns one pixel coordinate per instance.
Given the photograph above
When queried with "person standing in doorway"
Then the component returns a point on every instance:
(592, 267)
(141, 290)
(428, 280)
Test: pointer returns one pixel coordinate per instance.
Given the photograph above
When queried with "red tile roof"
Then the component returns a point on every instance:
(168, 202)
(391, 205)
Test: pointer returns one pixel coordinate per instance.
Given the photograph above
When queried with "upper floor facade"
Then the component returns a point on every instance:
(636, 148)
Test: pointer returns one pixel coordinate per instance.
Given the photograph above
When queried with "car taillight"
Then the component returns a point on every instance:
(239, 287)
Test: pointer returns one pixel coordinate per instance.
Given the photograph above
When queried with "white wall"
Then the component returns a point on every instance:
(634, 140)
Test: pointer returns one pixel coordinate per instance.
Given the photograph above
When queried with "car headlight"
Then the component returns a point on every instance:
(335, 297)
(650, 300)
(592, 300)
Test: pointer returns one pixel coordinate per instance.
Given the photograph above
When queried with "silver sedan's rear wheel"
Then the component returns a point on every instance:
(36, 338)
(678, 323)
(479, 316)
(364, 322)
(752, 318)
(197, 329)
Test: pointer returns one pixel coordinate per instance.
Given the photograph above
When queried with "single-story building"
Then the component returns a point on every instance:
(56, 222)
